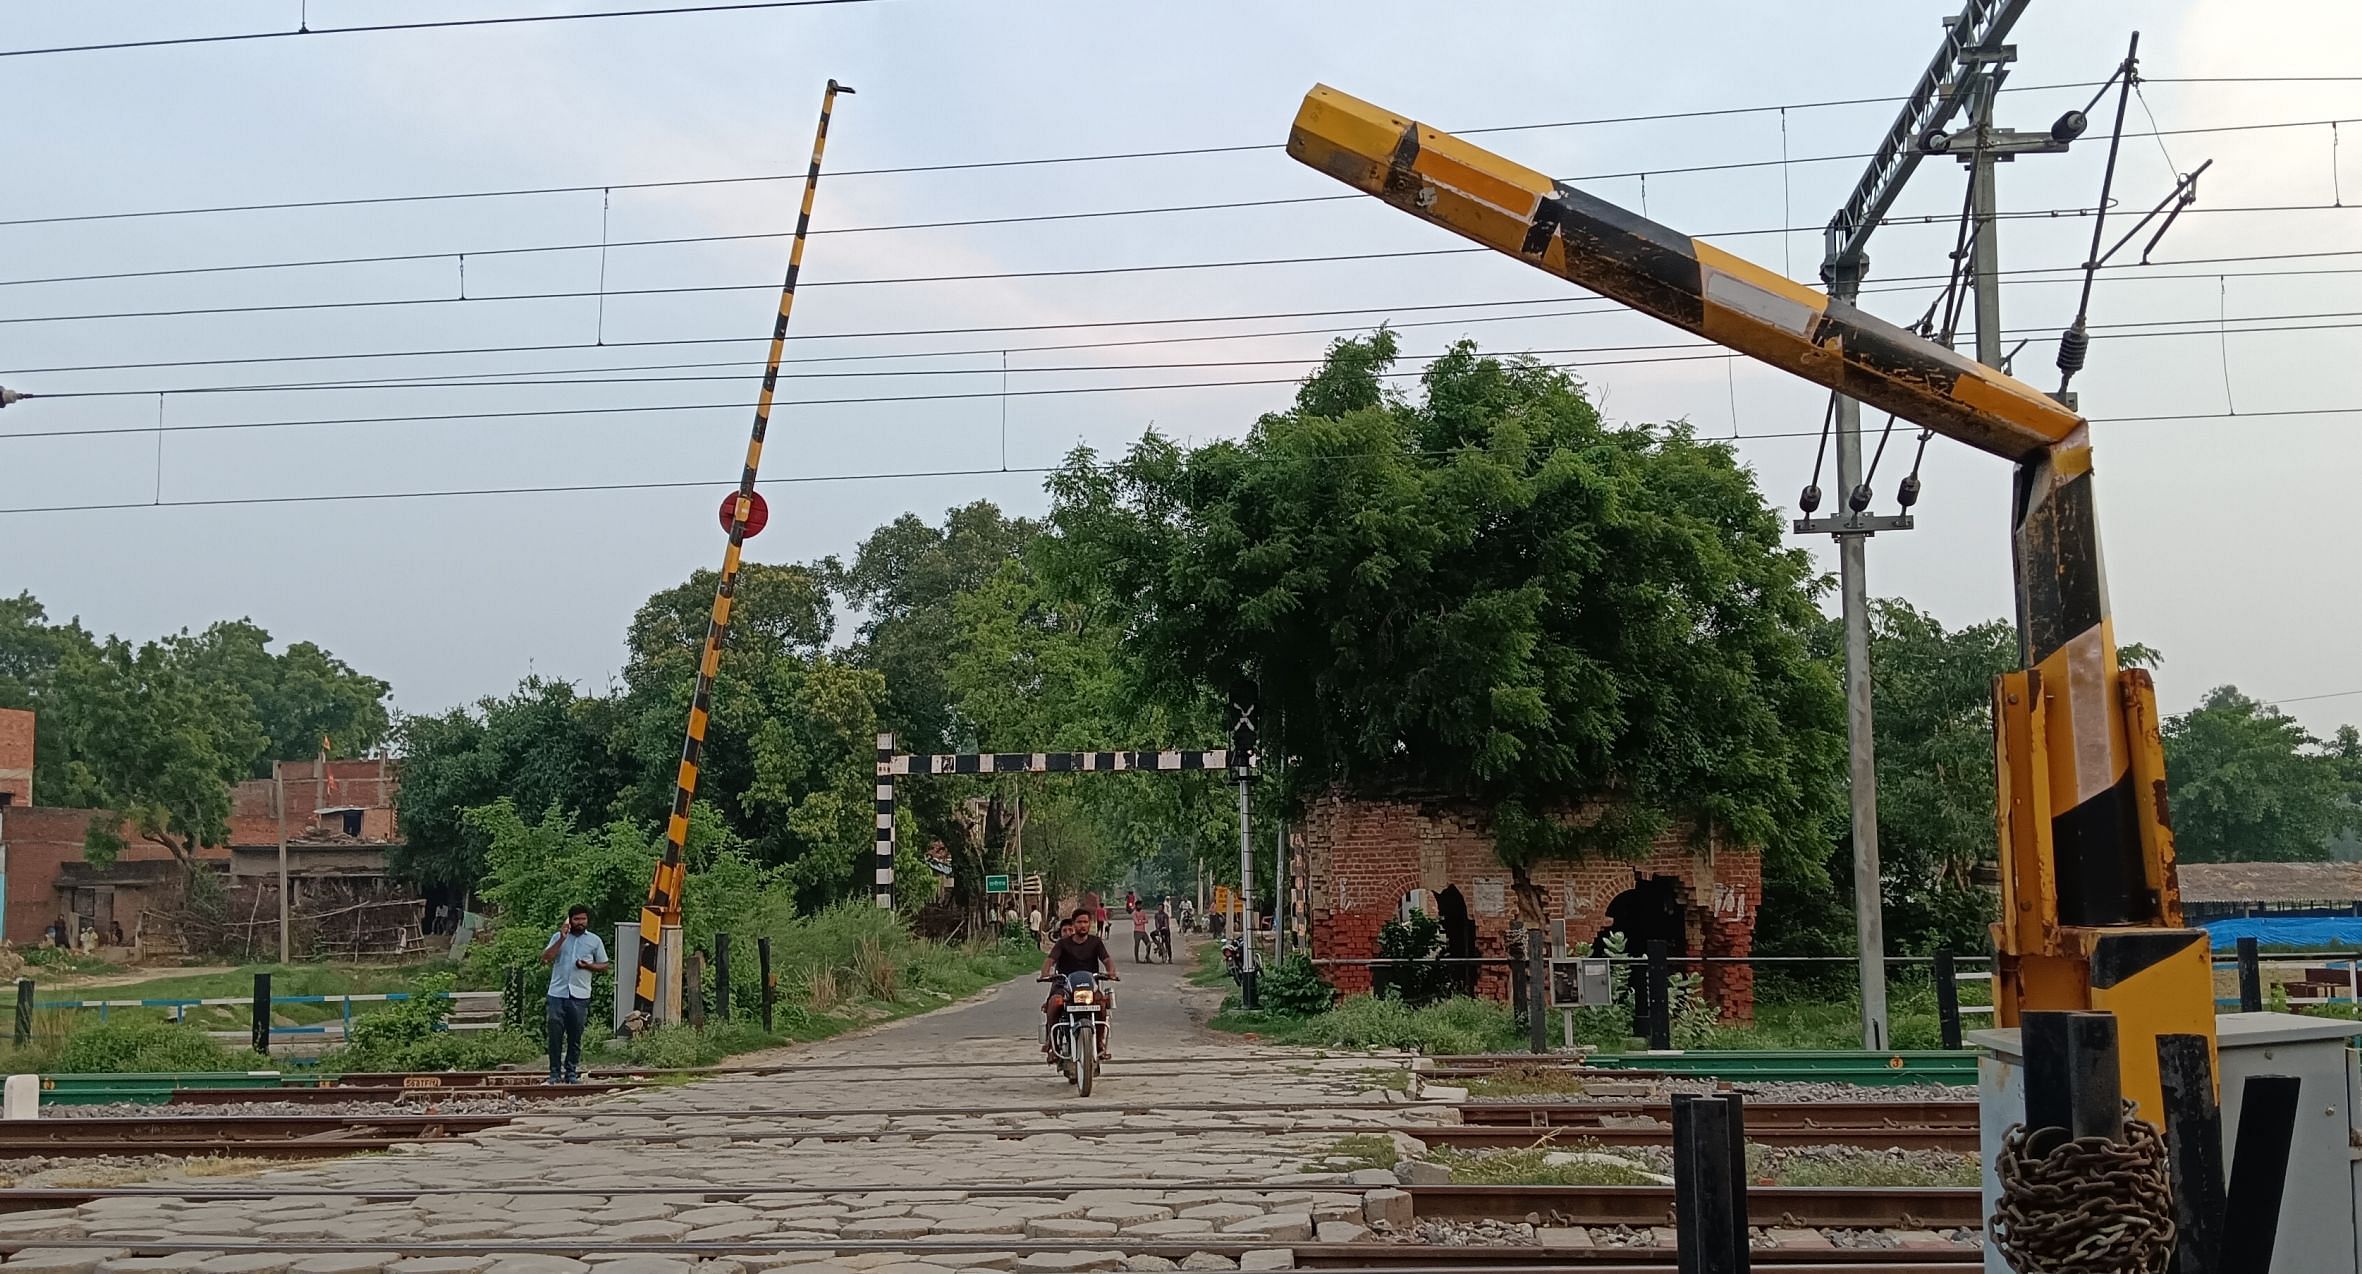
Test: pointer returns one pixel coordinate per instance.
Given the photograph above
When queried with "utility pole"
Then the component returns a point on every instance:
(279, 807)
(1985, 256)
(1279, 890)
(1980, 26)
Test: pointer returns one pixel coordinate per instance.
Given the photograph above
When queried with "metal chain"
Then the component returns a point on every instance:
(2084, 1205)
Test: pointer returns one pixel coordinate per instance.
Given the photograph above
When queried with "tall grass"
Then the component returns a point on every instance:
(1366, 1021)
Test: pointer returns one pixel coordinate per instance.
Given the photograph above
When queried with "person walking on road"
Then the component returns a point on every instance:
(574, 953)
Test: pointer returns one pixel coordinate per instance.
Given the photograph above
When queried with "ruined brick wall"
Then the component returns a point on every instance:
(43, 839)
(371, 783)
(1362, 857)
(16, 754)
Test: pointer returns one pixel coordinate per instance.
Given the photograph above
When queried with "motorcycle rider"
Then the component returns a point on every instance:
(1079, 950)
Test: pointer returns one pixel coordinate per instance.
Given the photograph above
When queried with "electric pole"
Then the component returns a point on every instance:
(1980, 26)
(1242, 769)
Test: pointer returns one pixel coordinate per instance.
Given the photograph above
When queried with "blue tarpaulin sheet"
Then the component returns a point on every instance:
(2310, 933)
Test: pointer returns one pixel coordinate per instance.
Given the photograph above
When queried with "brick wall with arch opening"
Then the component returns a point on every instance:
(1364, 860)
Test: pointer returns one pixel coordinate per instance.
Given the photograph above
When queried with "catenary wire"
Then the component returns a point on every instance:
(601, 374)
(443, 24)
(614, 374)
(1054, 160)
(868, 399)
(988, 276)
(880, 476)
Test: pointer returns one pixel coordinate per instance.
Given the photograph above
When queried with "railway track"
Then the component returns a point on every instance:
(1485, 1125)
(1804, 1207)
(264, 1136)
(1392, 1258)
(1642, 1206)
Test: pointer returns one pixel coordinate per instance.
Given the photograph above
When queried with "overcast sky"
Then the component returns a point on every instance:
(2229, 540)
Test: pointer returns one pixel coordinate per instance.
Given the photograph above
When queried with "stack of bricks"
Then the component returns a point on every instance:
(1363, 857)
(1730, 931)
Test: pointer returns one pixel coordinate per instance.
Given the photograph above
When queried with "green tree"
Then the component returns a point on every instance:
(2249, 784)
(1485, 592)
(790, 738)
(31, 648)
(1933, 703)
(544, 746)
(147, 741)
(906, 580)
(303, 696)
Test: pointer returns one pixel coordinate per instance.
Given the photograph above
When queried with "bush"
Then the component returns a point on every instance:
(1459, 1025)
(129, 1047)
(1414, 942)
(413, 1035)
(671, 1047)
(1293, 988)
(61, 958)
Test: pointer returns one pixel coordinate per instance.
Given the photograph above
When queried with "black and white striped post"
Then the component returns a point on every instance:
(883, 891)
(1242, 749)
(892, 764)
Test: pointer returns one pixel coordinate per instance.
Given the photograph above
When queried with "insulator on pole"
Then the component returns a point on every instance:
(1908, 494)
(1860, 499)
(1810, 499)
(2074, 347)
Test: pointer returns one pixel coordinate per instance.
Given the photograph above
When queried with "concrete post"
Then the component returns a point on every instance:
(668, 977)
(626, 956)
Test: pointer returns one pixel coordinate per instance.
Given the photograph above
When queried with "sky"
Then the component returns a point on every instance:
(2226, 534)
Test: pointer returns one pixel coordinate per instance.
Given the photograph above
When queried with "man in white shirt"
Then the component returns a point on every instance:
(574, 953)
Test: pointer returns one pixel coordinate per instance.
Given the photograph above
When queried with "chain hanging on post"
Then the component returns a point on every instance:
(2084, 1204)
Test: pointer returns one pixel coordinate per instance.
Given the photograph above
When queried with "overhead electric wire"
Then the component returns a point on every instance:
(305, 28)
(874, 476)
(447, 254)
(987, 276)
(1098, 157)
(2212, 326)
(628, 374)
(1706, 354)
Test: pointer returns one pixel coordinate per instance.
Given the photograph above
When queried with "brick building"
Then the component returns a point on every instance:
(340, 818)
(1365, 861)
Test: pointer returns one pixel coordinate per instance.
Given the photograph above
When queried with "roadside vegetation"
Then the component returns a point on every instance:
(1417, 1008)
(848, 967)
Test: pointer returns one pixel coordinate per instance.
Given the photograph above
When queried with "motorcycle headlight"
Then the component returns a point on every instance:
(1085, 997)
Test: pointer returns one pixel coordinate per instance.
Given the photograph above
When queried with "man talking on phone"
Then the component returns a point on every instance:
(574, 953)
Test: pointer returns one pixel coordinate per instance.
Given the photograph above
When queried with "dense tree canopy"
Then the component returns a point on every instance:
(2249, 784)
(546, 746)
(158, 731)
(1483, 591)
(303, 698)
(1932, 696)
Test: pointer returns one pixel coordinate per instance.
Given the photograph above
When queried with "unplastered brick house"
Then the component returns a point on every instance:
(1365, 861)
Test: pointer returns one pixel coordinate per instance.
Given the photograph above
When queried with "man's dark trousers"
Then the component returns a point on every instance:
(567, 1017)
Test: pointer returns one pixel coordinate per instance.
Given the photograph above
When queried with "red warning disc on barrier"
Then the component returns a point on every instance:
(758, 514)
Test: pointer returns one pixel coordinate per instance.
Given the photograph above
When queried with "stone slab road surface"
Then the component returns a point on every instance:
(856, 1154)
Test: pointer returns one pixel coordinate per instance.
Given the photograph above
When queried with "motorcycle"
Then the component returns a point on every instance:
(1231, 958)
(1073, 1031)
(1161, 943)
